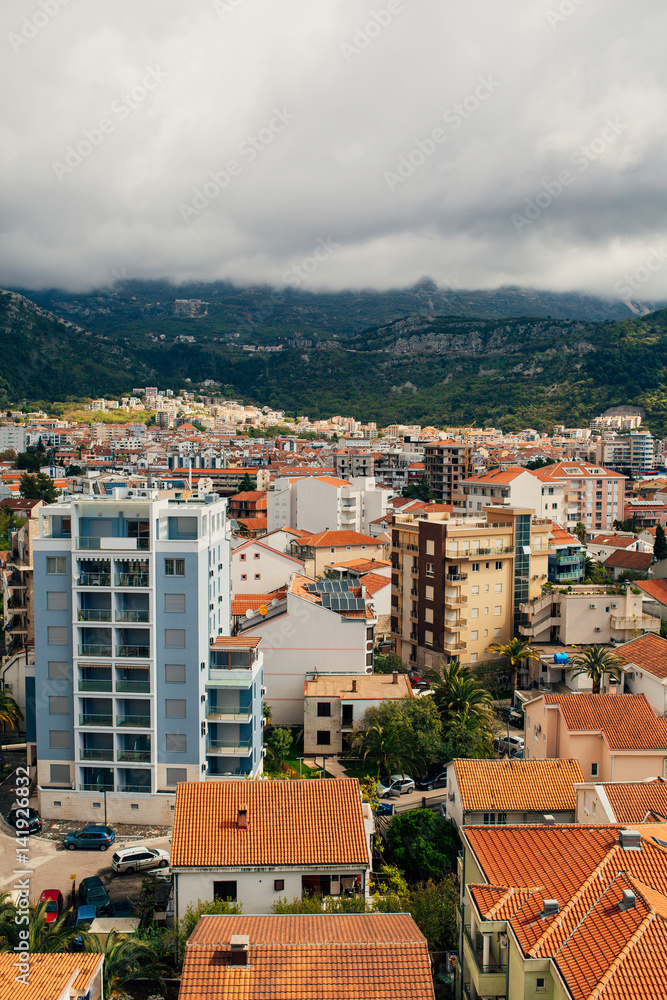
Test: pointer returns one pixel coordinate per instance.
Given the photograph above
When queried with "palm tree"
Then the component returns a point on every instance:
(515, 651)
(127, 961)
(46, 938)
(10, 714)
(458, 691)
(387, 748)
(596, 661)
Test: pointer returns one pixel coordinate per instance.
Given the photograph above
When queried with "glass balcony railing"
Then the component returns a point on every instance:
(228, 746)
(135, 756)
(135, 721)
(94, 579)
(135, 789)
(133, 687)
(94, 649)
(224, 714)
(110, 542)
(132, 616)
(131, 579)
(141, 652)
(86, 685)
(93, 615)
(95, 720)
(95, 786)
(92, 754)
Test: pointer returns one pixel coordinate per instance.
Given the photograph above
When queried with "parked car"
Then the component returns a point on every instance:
(161, 874)
(120, 908)
(133, 858)
(23, 824)
(396, 784)
(85, 915)
(93, 891)
(510, 744)
(384, 809)
(92, 838)
(437, 779)
(54, 904)
(511, 715)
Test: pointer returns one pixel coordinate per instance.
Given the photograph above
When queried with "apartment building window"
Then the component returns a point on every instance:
(474, 612)
(475, 590)
(430, 570)
(323, 738)
(324, 709)
(175, 708)
(58, 705)
(60, 774)
(57, 635)
(278, 884)
(499, 564)
(56, 566)
(174, 638)
(174, 567)
(58, 670)
(174, 603)
(244, 576)
(56, 600)
(176, 774)
(540, 985)
(176, 742)
(430, 547)
(257, 555)
(474, 657)
(475, 567)
(59, 739)
(496, 633)
(258, 576)
(174, 673)
(474, 636)
(242, 557)
(225, 890)
(594, 770)
(429, 593)
(498, 588)
(428, 638)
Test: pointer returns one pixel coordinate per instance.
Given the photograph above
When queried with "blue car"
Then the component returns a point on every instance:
(384, 809)
(92, 838)
(85, 915)
(93, 892)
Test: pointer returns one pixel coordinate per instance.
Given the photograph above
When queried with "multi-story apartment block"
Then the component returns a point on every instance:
(351, 463)
(16, 580)
(137, 684)
(458, 583)
(325, 503)
(584, 614)
(444, 462)
(635, 451)
(595, 496)
(567, 557)
(514, 487)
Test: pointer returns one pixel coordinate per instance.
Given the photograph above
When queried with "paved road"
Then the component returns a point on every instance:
(52, 866)
(418, 800)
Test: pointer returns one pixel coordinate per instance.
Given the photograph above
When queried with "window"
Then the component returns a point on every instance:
(430, 547)
(242, 557)
(501, 818)
(540, 985)
(56, 565)
(474, 636)
(473, 657)
(56, 600)
(475, 567)
(244, 576)
(57, 635)
(348, 715)
(258, 576)
(428, 638)
(498, 588)
(489, 819)
(498, 609)
(59, 774)
(174, 638)
(499, 564)
(475, 591)
(474, 612)
(176, 743)
(58, 670)
(496, 633)
(278, 884)
(429, 593)
(323, 738)
(174, 567)
(257, 555)
(176, 774)
(174, 673)
(175, 708)
(59, 739)
(225, 890)
(324, 709)
(174, 603)
(594, 770)
(430, 570)
(58, 705)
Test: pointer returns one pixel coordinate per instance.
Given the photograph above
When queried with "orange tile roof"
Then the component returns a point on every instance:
(291, 823)
(648, 652)
(253, 523)
(560, 536)
(626, 721)
(498, 475)
(657, 589)
(49, 975)
(629, 560)
(248, 495)
(617, 541)
(342, 956)
(362, 565)
(539, 785)
(324, 539)
(250, 602)
(373, 582)
(236, 642)
(637, 801)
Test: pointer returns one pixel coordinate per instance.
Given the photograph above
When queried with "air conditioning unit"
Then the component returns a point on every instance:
(592, 605)
(536, 576)
(263, 751)
(263, 690)
(614, 605)
(451, 796)
(597, 628)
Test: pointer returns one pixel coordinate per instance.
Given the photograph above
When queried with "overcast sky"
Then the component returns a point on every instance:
(335, 143)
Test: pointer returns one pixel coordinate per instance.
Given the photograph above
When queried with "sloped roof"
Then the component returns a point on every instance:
(333, 539)
(290, 823)
(656, 589)
(523, 785)
(373, 582)
(629, 560)
(634, 801)
(626, 721)
(648, 652)
(49, 975)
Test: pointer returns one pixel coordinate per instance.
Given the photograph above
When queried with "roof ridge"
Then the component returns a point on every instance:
(558, 921)
(515, 890)
(609, 974)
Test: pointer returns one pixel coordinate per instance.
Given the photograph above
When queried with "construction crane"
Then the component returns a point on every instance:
(467, 466)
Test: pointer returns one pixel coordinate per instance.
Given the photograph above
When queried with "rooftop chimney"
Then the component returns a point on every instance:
(394, 677)
(239, 949)
(550, 908)
(549, 819)
(354, 683)
(630, 840)
(628, 901)
(242, 818)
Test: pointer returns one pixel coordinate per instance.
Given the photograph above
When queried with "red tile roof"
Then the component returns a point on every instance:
(49, 976)
(326, 539)
(657, 589)
(648, 652)
(637, 801)
(629, 560)
(373, 582)
(626, 721)
(508, 785)
(251, 602)
(343, 956)
(291, 823)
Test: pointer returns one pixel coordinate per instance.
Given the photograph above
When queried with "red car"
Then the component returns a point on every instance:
(54, 904)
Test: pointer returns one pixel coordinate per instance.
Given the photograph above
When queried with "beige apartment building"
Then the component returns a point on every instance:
(585, 613)
(458, 583)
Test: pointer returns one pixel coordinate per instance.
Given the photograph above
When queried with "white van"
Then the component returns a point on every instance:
(134, 858)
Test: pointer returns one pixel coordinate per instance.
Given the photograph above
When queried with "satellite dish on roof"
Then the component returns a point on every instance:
(369, 670)
(250, 613)
(275, 602)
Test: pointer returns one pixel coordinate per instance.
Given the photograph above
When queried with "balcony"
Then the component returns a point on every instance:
(131, 579)
(133, 687)
(134, 721)
(126, 544)
(135, 756)
(132, 616)
(489, 978)
(93, 615)
(95, 786)
(456, 577)
(95, 720)
(218, 713)
(94, 580)
(135, 789)
(644, 623)
(133, 652)
(455, 647)
(95, 650)
(92, 685)
(95, 755)
(229, 748)
(456, 602)
(455, 623)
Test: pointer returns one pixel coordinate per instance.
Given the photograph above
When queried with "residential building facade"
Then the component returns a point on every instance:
(581, 614)
(334, 704)
(445, 466)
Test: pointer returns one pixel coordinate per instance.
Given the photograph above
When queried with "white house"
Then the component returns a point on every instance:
(256, 842)
(257, 568)
(325, 503)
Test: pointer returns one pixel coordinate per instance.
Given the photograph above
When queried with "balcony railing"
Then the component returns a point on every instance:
(133, 687)
(131, 579)
(222, 714)
(135, 756)
(95, 787)
(485, 970)
(86, 754)
(644, 622)
(95, 720)
(136, 652)
(135, 721)
(135, 789)
(94, 615)
(228, 746)
(132, 616)
(455, 623)
(456, 577)
(86, 685)
(89, 544)
(95, 649)
(94, 579)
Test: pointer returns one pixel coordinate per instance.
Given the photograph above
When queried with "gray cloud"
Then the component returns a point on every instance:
(224, 138)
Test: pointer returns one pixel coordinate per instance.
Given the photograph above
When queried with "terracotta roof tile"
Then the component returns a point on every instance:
(648, 652)
(508, 785)
(325, 539)
(251, 602)
(633, 801)
(291, 823)
(657, 589)
(373, 582)
(49, 976)
(626, 721)
(629, 560)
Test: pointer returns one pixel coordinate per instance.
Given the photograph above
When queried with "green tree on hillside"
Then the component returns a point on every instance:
(37, 487)
(660, 544)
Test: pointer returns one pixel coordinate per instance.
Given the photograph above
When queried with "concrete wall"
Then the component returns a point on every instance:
(655, 688)
(274, 569)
